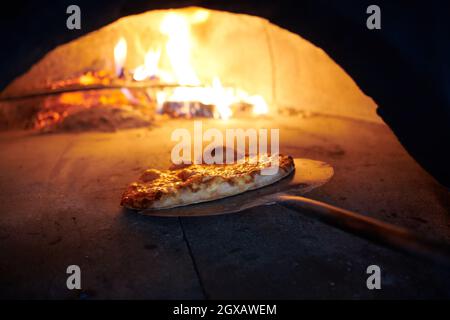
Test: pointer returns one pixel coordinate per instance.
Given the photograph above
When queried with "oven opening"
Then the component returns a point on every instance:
(182, 63)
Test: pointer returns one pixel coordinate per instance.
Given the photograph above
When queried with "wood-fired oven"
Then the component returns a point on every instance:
(89, 109)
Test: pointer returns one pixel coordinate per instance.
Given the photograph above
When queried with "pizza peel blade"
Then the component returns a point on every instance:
(308, 175)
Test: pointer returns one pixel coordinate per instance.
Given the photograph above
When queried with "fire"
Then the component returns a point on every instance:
(259, 104)
(178, 48)
(150, 67)
(200, 15)
(215, 94)
(189, 92)
(120, 55)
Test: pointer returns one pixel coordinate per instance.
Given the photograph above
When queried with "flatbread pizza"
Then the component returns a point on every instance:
(189, 184)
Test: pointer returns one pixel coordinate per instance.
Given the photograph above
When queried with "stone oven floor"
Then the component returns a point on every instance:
(60, 193)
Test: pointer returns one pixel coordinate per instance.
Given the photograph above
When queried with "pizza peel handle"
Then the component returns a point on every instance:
(369, 228)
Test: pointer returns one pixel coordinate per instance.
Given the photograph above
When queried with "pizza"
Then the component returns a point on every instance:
(188, 184)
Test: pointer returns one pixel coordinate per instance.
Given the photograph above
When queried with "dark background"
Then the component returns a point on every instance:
(404, 66)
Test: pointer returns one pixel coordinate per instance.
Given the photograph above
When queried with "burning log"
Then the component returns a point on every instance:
(189, 109)
(105, 110)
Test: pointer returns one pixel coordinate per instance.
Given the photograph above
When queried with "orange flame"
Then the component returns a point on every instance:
(178, 48)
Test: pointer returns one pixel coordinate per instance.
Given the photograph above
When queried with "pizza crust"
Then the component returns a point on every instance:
(190, 184)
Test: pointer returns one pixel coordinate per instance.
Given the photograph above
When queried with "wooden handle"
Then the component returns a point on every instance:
(370, 228)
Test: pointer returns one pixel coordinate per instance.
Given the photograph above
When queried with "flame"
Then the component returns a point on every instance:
(149, 68)
(177, 28)
(161, 97)
(259, 104)
(178, 48)
(199, 16)
(222, 99)
(120, 55)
